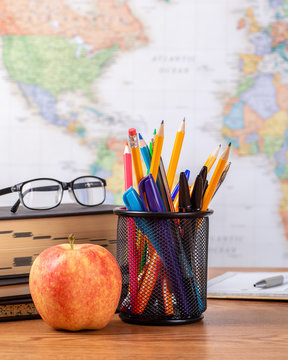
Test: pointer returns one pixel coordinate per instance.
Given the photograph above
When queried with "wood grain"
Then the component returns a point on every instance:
(231, 329)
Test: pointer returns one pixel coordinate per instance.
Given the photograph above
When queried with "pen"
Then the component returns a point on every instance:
(197, 193)
(184, 196)
(271, 281)
(176, 189)
(203, 173)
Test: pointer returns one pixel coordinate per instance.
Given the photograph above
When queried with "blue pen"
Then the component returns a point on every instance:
(176, 189)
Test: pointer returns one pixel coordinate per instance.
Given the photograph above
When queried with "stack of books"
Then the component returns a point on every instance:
(23, 236)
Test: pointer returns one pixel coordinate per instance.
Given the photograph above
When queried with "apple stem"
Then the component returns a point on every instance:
(71, 239)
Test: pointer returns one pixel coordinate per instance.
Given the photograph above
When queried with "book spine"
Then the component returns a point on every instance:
(18, 311)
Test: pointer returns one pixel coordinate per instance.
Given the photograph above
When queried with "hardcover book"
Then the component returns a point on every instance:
(28, 232)
(18, 308)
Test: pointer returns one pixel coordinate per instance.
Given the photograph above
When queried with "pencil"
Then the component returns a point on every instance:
(151, 272)
(209, 162)
(164, 188)
(133, 264)
(145, 152)
(222, 178)
(152, 142)
(175, 154)
(157, 149)
(167, 297)
(212, 158)
(127, 159)
(134, 145)
(215, 178)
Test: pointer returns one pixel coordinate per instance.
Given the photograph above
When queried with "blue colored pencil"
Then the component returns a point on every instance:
(145, 152)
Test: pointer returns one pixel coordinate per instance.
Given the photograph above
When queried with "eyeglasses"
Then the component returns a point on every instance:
(46, 193)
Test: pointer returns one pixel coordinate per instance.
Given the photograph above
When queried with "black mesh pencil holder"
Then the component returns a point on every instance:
(163, 260)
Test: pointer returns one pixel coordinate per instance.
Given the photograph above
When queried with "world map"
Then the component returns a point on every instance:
(76, 75)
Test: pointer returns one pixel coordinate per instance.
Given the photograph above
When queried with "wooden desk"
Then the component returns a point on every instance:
(231, 330)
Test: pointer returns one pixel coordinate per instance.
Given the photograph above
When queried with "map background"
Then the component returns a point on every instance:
(144, 85)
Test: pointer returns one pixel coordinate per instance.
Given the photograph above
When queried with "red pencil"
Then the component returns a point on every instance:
(127, 158)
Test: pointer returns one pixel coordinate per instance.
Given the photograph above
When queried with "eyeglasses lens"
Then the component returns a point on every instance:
(89, 190)
(41, 194)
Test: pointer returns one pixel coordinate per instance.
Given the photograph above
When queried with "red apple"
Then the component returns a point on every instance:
(75, 287)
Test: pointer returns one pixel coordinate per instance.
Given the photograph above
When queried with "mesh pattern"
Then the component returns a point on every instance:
(163, 262)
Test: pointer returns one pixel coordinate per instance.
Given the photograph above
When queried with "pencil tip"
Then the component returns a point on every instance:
(184, 119)
(140, 137)
(126, 143)
(162, 122)
(229, 143)
(219, 145)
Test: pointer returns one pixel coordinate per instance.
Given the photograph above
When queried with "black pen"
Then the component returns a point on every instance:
(197, 194)
(205, 187)
(203, 172)
(184, 195)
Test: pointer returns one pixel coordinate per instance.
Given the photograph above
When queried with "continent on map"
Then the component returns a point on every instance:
(52, 63)
(55, 55)
(113, 23)
(255, 118)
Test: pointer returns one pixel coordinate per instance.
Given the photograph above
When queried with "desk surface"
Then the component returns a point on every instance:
(231, 329)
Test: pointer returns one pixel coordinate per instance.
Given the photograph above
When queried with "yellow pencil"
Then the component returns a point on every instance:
(135, 151)
(175, 154)
(212, 158)
(222, 178)
(157, 149)
(215, 178)
(209, 163)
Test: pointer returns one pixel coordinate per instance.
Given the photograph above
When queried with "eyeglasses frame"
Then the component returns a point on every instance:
(63, 185)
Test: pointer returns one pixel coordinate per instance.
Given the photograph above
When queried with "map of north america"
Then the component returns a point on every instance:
(51, 52)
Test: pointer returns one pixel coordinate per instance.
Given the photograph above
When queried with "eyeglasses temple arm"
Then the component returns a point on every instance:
(9, 190)
(5, 191)
(15, 207)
